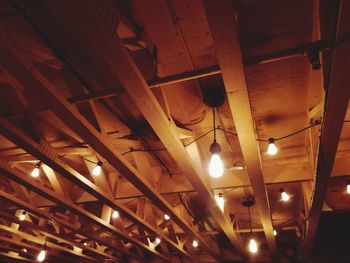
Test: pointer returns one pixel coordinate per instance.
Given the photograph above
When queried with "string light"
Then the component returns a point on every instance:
(97, 169)
(22, 216)
(216, 167)
(272, 149)
(348, 187)
(157, 240)
(220, 201)
(42, 254)
(115, 214)
(194, 243)
(166, 217)
(24, 250)
(253, 246)
(36, 171)
(85, 243)
(274, 232)
(284, 195)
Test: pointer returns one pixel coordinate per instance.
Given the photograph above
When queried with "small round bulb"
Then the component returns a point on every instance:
(24, 250)
(274, 232)
(253, 246)
(220, 201)
(115, 214)
(348, 188)
(157, 240)
(22, 216)
(97, 169)
(272, 149)
(166, 217)
(41, 256)
(194, 243)
(85, 243)
(216, 168)
(284, 196)
(36, 172)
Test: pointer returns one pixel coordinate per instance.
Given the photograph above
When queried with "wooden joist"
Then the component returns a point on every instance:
(224, 30)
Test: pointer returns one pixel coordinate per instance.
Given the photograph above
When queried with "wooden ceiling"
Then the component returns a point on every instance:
(127, 84)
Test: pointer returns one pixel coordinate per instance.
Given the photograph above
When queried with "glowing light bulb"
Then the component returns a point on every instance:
(272, 149)
(41, 256)
(115, 214)
(166, 217)
(194, 243)
(220, 201)
(97, 169)
(216, 168)
(35, 172)
(348, 188)
(22, 216)
(157, 240)
(253, 246)
(284, 195)
(24, 250)
(274, 232)
(85, 243)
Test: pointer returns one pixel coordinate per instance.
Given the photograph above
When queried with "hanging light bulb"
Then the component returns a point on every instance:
(272, 149)
(36, 171)
(41, 256)
(274, 232)
(115, 214)
(97, 169)
(284, 195)
(24, 250)
(194, 243)
(85, 243)
(166, 217)
(22, 216)
(348, 188)
(253, 246)
(220, 201)
(157, 240)
(216, 167)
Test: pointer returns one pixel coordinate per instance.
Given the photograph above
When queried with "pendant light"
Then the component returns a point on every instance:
(97, 169)
(284, 195)
(216, 168)
(22, 216)
(42, 254)
(36, 171)
(272, 149)
(220, 201)
(252, 244)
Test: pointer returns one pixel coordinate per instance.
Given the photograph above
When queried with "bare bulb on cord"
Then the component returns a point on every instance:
(272, 149)
(97, 169)
(253, 246)
(42, 255)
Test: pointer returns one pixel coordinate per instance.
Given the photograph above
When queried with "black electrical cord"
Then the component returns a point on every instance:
(89, 160)
(185, 206)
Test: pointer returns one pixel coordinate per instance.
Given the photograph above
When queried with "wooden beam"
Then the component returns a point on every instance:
(40, 241)
(48, 156)
(59, 237)
(113, 55)
(224, 30)
(337, 102)
(26, 73)
(23, 179)
(42, 214)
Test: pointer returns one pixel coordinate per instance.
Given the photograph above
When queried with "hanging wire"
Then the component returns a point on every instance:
(214, 124)
(250, 220)
(89, 160)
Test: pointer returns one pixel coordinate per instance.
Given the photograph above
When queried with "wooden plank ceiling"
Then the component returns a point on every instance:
(126, 85)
